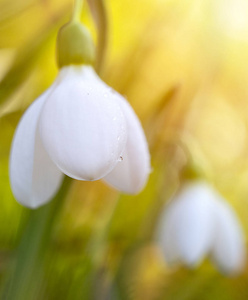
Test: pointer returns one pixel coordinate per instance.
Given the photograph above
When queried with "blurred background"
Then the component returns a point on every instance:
(183, 65)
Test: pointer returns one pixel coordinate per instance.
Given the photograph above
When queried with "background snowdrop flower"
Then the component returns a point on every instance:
(79, 127)
(199, 222)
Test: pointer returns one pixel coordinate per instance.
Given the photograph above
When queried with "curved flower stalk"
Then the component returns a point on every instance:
(79, 127)
(199, 222)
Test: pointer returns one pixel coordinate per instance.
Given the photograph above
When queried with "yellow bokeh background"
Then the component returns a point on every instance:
(183, 65)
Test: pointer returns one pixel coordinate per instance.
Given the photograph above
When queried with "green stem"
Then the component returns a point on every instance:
(26, 276)
(77, 10)
(94, 287)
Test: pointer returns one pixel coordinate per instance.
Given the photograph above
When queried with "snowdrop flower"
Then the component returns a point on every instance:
(199, 222)
(79, 127)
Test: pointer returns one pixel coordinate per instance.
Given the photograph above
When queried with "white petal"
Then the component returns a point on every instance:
(131, 173)
(33, 176)
(82, 126)
(228, 248)
(192, 219)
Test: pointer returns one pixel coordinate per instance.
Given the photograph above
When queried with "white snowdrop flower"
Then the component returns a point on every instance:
(79, 127)
(198, 222)
(82, 128)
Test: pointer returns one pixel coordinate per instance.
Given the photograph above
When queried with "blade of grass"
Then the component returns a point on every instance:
(26, 274)
(27, 57)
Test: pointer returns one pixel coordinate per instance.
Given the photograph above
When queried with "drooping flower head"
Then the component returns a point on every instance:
(79, 127)
(199, 222)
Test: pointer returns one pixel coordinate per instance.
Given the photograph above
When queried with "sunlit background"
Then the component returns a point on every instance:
(183, 65)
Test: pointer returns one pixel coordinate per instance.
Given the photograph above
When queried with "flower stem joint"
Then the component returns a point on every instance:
(75, 45)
